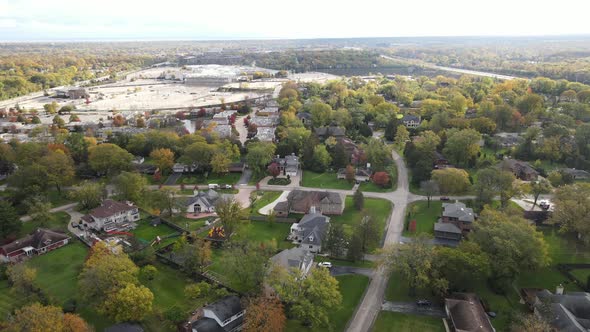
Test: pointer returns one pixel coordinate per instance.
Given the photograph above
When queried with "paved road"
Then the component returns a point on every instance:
(370, 306)
(56, 209)
(412, 308)
(342, 270)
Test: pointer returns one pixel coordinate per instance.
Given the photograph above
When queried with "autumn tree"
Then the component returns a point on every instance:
(130, 186)
(264, 314)
(59, 169)
(308, 299)
(572, 209)
(430, 188)
(230, 214)
(39, 318)
(109, 159)
(273, 170)
(129, 303)
(22, 279)
(163, 159)
(220, 163)
(350, 174)
(451, 180)
(381, 179)
(88, 194)
(462, 146)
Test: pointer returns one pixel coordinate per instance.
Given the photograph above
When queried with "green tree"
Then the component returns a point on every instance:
(401, 137)
(572, 209)
(109, 159)
(163, 159)
(78, 147)
(58, 121)
(462, 265)
(51, 108)
(369, 232)
(308, 299)
(196, 256)
(60, 169)
(40, 211)
(336, 241)
(451, 180)
(220, 163)
(321, 158)
(358, 200)
(430, 188)
(130, 303)
(320, 114)
(88, 194)
(230, 214)
(536, 188)
(260, 154)
(130, 186)
(462, 146)
(378, 154)
(246, 265)
(10, 223)
(165, 200)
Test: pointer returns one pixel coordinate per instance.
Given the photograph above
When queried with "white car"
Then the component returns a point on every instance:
(325, 264)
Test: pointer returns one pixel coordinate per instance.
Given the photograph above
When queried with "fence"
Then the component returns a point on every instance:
(565, 270)
(285, 220)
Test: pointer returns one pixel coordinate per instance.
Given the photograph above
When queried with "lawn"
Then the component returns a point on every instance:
(188, 223)
(324, 180)
(352, 288)
(263, 231)
(425, 217)
(56, 199)
(378, 208)
(229, 178)
(59, 222)
(581, 274)
(7, 300)
(263, 200)
(147, 233)
(394, 321)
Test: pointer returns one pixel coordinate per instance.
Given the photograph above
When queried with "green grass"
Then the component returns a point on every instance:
(397, 290)
(262, 231)
(146, 232)
(193, 224)
(352, 288)
(229, 178)
(279, 182)
(263, 200)
(59, 222)
(324, 180)
(425, 217)
(581, 274)
(371, 187)
(379, 209)
(397, 322)
(56, 199)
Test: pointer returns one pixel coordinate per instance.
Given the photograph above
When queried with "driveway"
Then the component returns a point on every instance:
(75, 217)
(171, 180)
(342, 270)
(246, 175)
(413, 309)
(266, 209)
(243, 197)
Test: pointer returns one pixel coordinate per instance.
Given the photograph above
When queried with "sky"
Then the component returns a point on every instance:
(58, 20)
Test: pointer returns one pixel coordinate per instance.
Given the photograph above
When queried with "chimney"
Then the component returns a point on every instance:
(559, 290)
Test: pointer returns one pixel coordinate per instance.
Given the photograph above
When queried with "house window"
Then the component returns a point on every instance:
(310, 247)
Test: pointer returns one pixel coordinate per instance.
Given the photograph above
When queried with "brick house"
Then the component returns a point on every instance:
(39, 242)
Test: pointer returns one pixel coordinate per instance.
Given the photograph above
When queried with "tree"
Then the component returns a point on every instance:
(130, 186)
(530, 323)
(230, 214)
(572, 209)
(220, 163)
(339, 157)
(430, 188)
(105, 272)
(109, 159)
(58, 121)
(336, 240)
(264, 314)
(401, 137)
(22, 279)
(382, 179)
(163, 159)
(355, 248)
(536, 188)
(40, 211)
(531, 103)
(350, 174)
(358, 199)
(273, 170)
(130, 303)
(451, 180)
(259, 155)
(378, 154)
(320, 114)
(391, 129)
(10, 223)
(74, 118)
(246, 264)
(308, 299)
(512, 244)
(321, 158)
(462, 265)
(39, 318)
(165, 200)
(88, 194)
(51, 108)
(462, 146)
(78, 146)
(196, 256)
(368, 231)
(60, 169)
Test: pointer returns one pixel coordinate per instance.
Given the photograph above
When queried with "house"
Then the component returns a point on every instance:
(466, 314)
(39, 242)
(411, 121)
(310, 231)
(299, 201)
(294, 258)
(440, 161)
(137, 160)
(222, 118)
(569, 312)
(508, 140)
(576, 174)
(224, 315)
(325, 132)
(111, 216)
(183, 168)
(305, 118)
(457, 214)
(522, 170)
(265, 134)
(288, 165)
(72, 93)
(202, 202)
(223, 130)
(447, 231)
(361, 174)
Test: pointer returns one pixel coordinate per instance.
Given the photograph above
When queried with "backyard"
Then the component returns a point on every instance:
(425, 217)
(188, 223)
(263, 231)
(352, 288)
(147, 233)
(378, 208)
(263, 200)
(59, 222)
(394, 321)
(325, 180)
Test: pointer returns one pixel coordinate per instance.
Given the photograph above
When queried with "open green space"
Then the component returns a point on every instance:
(229, 178)
(188, 223)
(325, 180)
(263, 231)
(371, 187)
(581, 274)
(147, 233)
(352, 288)
(58, 199)
(424, 215)
(59, 222)
(397, 322)
(7, 300)
(279, 182)
(263, 200)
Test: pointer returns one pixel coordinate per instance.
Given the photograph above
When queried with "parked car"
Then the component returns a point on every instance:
(226, 186)
(423, 302)
(75, 224)
(325, 264)
(213, 186)
(444, 198)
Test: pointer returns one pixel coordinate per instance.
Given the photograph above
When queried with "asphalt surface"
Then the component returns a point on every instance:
(343, 270)
(414, 309)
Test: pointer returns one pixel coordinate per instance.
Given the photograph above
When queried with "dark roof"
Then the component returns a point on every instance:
(226, 307)
(446, 227)
(304, 115)
(109, 208)
(207, 197)
(467, 313)
(38, 239)
(293, 258)
(314, 227)
(458, 210)
(569, 311)
(282, 207)
(124, 327)
(410, 117)
(205, 324)
(304, 200)
(330, 131)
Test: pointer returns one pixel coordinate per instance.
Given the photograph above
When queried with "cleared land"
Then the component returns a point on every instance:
(324, 180)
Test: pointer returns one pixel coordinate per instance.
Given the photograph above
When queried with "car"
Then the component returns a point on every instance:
(423, 302)
(75, 224)
(226, 186)
(444, 198)
(213, 186)
(325, 264)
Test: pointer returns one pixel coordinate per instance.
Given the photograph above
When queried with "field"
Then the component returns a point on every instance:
(262, 231)
(398, 322)
(324, 180)
(352, 288)
(60, 222)
(147, 233)
(188, 223)
(425, 216)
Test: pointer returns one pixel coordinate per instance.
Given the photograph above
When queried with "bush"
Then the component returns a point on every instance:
(279, 182)
(149, 272)
(174, 314)
(70, 305)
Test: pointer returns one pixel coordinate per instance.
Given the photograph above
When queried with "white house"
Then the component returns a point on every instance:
(202, 202)
(111, 216)
(411, 121)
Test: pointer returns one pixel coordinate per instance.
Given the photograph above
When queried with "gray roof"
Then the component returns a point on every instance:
(410, 117)
(209, 198)
(314, 227)
(292, 258)
(458, 210)
(570, 312)
(304, 115)
(576, 173)
(330, 131)
(446, 227)
(226, 307)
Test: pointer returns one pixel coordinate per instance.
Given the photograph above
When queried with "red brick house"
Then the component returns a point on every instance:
(39, 242)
